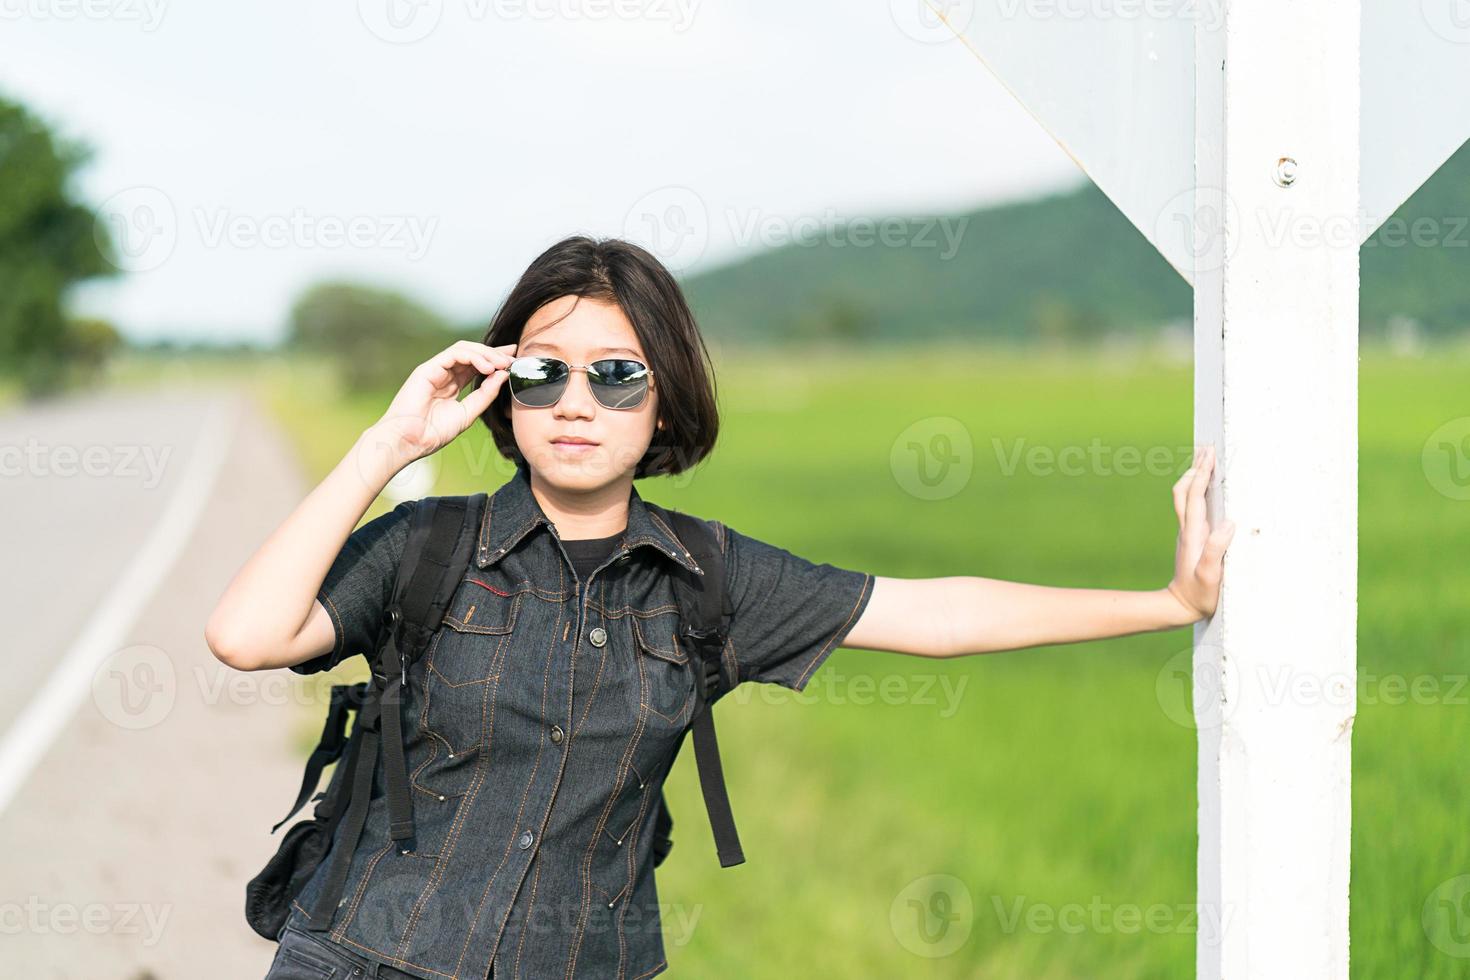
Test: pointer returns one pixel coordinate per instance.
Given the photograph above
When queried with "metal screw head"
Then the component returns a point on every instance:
(1286, 171)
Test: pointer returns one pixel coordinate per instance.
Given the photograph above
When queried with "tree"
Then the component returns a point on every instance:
(837, 319)
(374, 336)
(90, 344)
(48, 242)
(1056, 321)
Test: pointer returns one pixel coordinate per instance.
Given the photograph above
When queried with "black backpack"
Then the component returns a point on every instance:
(436, 555)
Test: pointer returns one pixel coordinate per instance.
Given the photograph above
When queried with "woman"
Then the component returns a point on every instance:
(540, 724)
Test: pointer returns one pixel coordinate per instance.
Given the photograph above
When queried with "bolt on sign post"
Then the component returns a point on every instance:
(1257, 144)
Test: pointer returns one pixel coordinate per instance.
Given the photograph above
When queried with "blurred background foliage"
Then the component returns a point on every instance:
(49, 241)
(990, 275)
(370, 334)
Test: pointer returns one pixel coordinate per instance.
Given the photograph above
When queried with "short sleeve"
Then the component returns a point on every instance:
(359, 585)
(790, 613)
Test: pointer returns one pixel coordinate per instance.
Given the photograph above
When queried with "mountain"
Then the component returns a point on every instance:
(1068, 266)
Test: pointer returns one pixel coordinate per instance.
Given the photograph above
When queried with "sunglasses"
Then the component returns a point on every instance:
(616, 382)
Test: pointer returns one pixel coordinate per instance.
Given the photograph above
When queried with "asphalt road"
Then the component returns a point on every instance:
(139, 777)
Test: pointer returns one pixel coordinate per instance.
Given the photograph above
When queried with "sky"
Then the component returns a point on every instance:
(243, 152)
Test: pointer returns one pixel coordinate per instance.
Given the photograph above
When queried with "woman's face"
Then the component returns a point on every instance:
(593, 329)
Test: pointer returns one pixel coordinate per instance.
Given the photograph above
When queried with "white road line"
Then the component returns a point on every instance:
(70, 683)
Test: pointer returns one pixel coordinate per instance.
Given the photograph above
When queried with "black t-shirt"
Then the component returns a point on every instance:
(586, 554)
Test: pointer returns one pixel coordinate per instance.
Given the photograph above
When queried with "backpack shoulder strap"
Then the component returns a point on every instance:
(704, 611)
(425, 568)
(435, 556)
(441, 539)
(706, 617)
(328, 749)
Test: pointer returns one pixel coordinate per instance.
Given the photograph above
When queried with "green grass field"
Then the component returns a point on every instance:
(1054, 787)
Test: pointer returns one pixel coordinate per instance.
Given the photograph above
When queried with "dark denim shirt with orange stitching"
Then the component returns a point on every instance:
(539, 726)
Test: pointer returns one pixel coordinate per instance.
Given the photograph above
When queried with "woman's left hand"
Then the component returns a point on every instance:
(1199, 555)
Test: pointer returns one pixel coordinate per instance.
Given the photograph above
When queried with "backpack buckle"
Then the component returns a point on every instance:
(703, 636)
(707, 644)
(392, 616)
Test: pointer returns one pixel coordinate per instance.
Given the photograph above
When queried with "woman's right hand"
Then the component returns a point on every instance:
(427, 414)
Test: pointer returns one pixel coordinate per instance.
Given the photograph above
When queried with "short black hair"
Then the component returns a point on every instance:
(620, 272)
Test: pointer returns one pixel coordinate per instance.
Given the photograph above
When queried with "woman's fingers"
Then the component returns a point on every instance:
(1182, 487)
(1178, 492)
(428, 407)
(472, 352)
(1213, 557)
(495, 357)
(459, 375)
(478, 401)
(1195, 520)
(458, 364)
(450, 416)
(1199, 557)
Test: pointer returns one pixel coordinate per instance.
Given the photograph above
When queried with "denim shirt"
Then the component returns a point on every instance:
(539, 726)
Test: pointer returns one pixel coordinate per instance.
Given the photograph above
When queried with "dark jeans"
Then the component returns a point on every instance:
(304, 956)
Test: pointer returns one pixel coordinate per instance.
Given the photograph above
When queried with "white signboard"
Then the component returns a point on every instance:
(1113, 82)
(1416, 98)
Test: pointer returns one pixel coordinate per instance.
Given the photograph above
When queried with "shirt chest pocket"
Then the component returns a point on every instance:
(666, 671)
(465, 660)
(478, 626)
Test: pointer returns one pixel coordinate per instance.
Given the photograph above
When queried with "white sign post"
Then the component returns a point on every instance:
(1275, 387)
(1232, 134)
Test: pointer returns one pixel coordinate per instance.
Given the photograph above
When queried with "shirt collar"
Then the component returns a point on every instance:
(513, 511)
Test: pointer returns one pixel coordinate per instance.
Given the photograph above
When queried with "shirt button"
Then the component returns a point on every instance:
(598, 636)
(556, 733)
(525, 840)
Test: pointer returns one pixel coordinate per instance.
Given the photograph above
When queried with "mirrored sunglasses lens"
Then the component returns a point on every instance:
(619, 383)
(537, 382)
